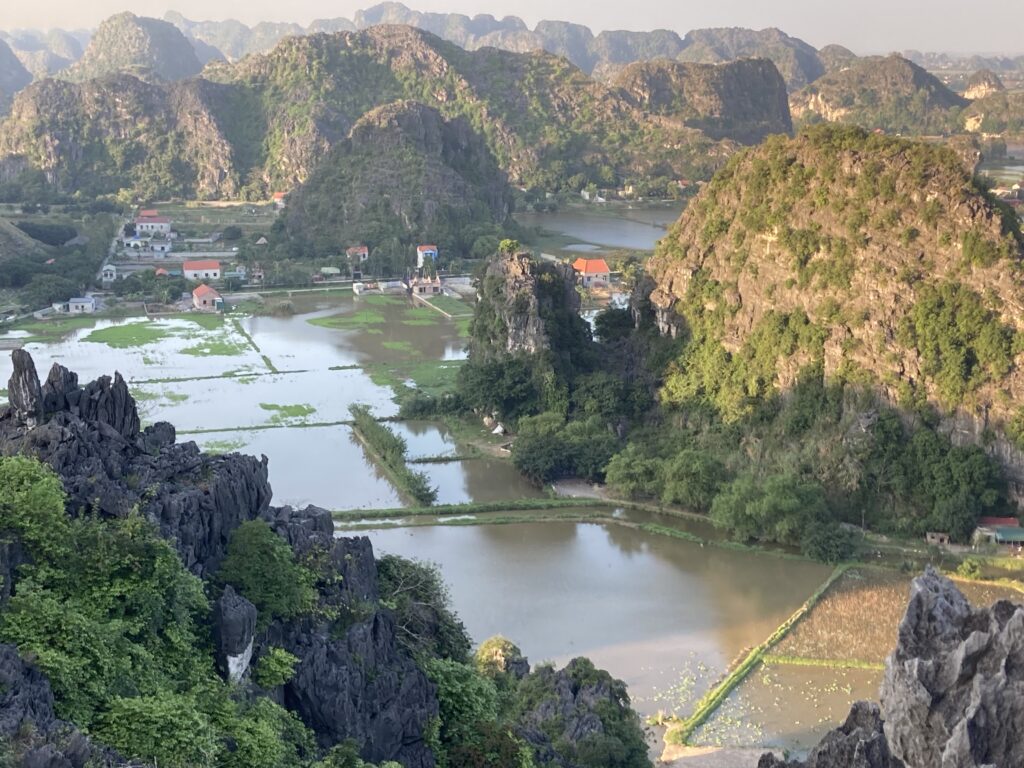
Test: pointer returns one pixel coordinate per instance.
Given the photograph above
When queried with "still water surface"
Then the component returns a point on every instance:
(650, 609)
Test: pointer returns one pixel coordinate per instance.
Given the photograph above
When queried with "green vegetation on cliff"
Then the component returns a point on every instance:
(813, 286)
(126, 43)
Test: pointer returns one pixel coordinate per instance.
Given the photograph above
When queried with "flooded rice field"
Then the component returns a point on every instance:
(667, 615)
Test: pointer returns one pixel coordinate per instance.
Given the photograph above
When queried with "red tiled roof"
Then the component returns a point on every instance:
(205, 290)
(162, 272)
(1003, 522)
(208, 264)
(149, 213)
(280, 195)
(152, 220)
(591, 266)
(426, 247)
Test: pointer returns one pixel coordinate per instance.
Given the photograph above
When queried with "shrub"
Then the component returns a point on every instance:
(262, 567)
(828, 542)
(274, 668)
(970, 568)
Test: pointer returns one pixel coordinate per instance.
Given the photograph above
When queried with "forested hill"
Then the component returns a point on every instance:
(887, 92)
(879, 260)
(744, 100)
(263, 124)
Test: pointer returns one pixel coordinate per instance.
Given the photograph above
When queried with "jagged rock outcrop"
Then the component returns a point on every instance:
(406, 162)
(983, 83)
(572, 706)
(517, 298)
(858, 234)
(90, 436)
(857, 743)
(1001, 112)
(234, 630)
(886, 92)
(952, 695)
(953, 691)
(743, 100)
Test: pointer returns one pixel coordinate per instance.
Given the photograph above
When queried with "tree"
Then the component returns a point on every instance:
(692, 479)
(634, 474)
(231, 233)
(828, 542)
(262, 567)
(776, 508)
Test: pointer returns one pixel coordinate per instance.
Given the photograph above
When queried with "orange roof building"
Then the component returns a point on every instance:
(206, 299)
(591, 266)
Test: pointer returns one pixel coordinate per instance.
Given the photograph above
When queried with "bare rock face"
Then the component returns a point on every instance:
(234, 628)
(23, 390)
(90, 435)
(953, 692)
(858, 743)
(952, 695)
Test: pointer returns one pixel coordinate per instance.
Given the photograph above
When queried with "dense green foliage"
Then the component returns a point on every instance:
(262, 567)
(391, 449)
(117, 624)
(274, 668)
(419, 597)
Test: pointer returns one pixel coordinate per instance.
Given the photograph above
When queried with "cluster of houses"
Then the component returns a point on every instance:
(153, 234)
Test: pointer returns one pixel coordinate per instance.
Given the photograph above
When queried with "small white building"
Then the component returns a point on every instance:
(161, 246)
(201, 270)
(206, 299)
(82, 306)
(108, 273)
(153, 225)
(424, 252)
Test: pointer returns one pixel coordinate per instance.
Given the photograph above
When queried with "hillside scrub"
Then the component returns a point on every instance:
(391, 449)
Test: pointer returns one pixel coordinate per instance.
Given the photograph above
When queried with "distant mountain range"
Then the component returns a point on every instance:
(602, 55)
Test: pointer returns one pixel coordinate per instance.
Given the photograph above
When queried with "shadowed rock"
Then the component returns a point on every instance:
(234, 628)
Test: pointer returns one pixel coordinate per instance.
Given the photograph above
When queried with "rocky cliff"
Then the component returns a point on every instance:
(145, 47)
(983, 83)
(522, 302)
(405, 170)
(276, 115)
(951, 696)
(796, 60)
(901, 270)
(108, 133)
(887, 92)
(743, 100)
(1001, 112)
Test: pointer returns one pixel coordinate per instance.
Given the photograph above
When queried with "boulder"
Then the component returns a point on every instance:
(858, 743)
(234, 629)
(23, 391)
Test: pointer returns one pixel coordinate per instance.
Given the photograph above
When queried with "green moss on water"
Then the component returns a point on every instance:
(223, 446)
(129, 335)
(364, 318)
(210, 322)
(400, 346)
(176, 397)
(216, 348)
(454, 307)
(288, 413)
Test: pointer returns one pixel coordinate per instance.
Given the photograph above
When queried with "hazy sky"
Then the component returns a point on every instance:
(866, 26)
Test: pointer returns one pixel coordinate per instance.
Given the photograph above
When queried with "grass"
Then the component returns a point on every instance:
(567, 516)
(431, 376)
(389, 452)
(454, 307)
(400, 346)
(216, 348)
(362, 319)
(421, 316)
(473, 508)
(803, 661)
(129, 335)
(680, 732)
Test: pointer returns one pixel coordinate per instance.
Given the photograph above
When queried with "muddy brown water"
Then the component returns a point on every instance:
(659, 613)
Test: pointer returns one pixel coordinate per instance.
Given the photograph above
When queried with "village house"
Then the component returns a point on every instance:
(424, 252)
(160, 246)
(82, 306)
(1005, 531)
(201, 270)
(592, 272)
(206, 299)
(359, 253)
(280, 199)
(153, 225)
(425, 286)
(108, 273)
